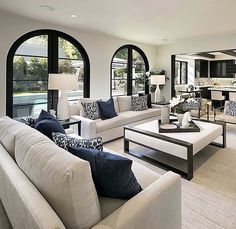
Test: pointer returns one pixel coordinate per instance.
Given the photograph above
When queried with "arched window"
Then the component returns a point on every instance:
(128, 67)
(31, 58)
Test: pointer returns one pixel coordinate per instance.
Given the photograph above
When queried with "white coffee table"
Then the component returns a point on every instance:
(182, 145)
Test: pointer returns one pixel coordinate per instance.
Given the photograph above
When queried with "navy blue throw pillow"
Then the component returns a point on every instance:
(149, 99)
(47, 124)
(107, 109)
(112, 174)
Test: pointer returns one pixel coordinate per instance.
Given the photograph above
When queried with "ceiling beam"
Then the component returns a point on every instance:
(206, 55)
(229, 52)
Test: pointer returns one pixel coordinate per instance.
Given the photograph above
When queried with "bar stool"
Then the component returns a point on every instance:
(217, 99)
(232, 96)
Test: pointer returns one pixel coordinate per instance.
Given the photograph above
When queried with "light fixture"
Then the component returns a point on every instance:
(63, 82)
(73, 15)
(46, 7)
(158, 80)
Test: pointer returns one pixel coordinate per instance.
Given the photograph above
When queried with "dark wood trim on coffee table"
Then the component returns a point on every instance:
(189, 146)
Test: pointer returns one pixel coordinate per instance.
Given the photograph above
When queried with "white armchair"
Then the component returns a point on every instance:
(219, 116)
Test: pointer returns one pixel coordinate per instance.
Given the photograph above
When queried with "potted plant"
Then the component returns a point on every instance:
(180, 106)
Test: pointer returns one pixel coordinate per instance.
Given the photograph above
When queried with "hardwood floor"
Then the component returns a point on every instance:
(209, 199)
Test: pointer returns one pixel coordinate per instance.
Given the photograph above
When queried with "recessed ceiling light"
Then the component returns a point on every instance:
(164, 39)
(46, 7)
(73, 15)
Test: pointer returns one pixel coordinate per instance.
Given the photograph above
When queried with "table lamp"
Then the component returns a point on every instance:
(63, 82)
(158, 80)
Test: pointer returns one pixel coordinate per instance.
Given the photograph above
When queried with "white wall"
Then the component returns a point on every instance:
(190, 46)
(100, 49)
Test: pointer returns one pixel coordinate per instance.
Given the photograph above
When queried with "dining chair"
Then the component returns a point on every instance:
(217, 99)
(232, 96)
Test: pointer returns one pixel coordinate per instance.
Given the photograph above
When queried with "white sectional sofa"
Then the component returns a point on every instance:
(43, 186)
(112, 128)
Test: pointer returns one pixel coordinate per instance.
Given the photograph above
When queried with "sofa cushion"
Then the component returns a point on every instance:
(144, 176)
(116, 105)
(111, 173)
(9, 128)
(124, 103)
(74, 108)
(125, 118)
(139, 103)
(103, 125)
(64, 180)
(64, 141)
(226, 118)
(109, 205)
(47, 124)
(134, 116)
(107, 109)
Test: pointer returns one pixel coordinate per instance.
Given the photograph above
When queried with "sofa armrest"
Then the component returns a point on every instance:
(88, 126)
(156, 106)
(157, 206)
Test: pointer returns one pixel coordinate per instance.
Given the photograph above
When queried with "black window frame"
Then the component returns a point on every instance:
(53, 57)
(129, 79)
(186, 72)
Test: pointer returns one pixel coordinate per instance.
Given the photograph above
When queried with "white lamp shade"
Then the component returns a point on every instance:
(62, 82)
(158, 79)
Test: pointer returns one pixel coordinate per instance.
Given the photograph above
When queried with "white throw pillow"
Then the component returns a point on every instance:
(124, 103)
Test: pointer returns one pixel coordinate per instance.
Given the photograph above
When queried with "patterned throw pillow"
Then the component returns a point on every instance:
(139, 103)
(65, 141)
(192, 104)
(91, 110)
(231, 108)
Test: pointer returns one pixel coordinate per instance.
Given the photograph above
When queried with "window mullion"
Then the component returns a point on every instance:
(52, 68)
(129, 71)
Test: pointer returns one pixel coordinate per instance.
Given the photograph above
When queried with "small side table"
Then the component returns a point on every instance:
(161, 103)
(66, 124)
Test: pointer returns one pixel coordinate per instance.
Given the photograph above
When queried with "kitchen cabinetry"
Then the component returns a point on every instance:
(201, 68)
(205, 93)
(218, 69)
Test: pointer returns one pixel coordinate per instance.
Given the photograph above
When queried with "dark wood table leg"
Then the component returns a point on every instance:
(224, 135)
(79, 128)
(190, 162)
(126, 145)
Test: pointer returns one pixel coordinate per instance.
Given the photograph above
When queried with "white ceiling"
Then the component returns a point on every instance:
(148, 21)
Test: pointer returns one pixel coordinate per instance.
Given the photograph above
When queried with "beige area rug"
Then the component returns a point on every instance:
(209, 199)
(203, 208)
(219, 173)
